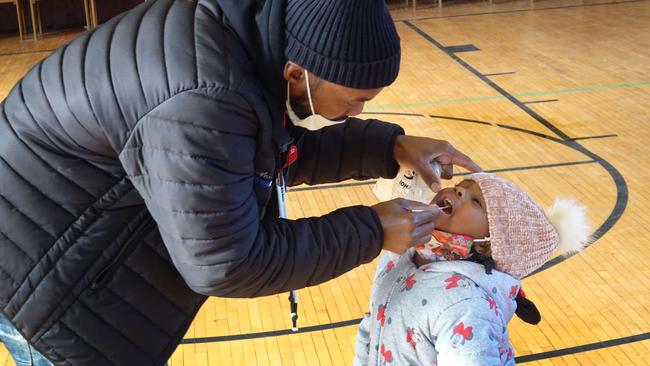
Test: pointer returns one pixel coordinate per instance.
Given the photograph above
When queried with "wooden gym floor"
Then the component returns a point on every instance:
(554, 95)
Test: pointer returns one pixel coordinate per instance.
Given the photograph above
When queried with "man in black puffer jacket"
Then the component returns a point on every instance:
(138, 165)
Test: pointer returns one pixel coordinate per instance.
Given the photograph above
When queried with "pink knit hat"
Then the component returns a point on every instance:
(522, 235)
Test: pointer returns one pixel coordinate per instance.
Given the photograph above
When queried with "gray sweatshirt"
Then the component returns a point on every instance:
(443, 313)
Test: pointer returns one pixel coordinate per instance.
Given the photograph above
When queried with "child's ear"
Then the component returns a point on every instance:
(483, 248)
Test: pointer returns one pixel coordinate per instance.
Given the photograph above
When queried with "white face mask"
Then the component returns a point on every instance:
(313, 122)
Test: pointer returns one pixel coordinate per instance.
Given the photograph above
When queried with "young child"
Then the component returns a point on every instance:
(443, 303)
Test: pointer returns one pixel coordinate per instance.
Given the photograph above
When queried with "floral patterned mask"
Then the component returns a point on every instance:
(447, 246)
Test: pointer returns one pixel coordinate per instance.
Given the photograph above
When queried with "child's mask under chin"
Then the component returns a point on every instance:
(447, 246)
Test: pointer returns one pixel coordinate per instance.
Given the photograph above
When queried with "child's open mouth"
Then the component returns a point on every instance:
(446, 206)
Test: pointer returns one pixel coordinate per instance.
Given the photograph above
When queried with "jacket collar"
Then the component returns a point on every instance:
(260, 25)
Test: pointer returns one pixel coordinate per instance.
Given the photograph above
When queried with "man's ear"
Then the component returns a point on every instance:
(293, 72)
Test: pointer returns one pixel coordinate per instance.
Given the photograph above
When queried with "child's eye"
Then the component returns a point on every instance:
(477, 202)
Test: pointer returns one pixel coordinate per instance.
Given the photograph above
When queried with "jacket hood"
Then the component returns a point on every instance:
(260, 26)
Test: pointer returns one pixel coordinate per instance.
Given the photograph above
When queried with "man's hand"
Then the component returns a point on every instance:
(417, 153)
(403, 228)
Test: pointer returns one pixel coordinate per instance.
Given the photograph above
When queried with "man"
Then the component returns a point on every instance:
(139, 163)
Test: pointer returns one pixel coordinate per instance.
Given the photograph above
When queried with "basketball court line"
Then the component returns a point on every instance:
(501, 170)
(353, 322)
(541, 101)
(519, 10)
(592, 88)
(500, 73)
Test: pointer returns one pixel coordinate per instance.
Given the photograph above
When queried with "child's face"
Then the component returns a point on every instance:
(467, 214)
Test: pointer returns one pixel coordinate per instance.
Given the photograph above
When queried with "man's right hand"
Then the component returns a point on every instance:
(404, 228)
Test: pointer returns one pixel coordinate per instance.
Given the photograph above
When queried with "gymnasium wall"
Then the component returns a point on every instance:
(60, 14)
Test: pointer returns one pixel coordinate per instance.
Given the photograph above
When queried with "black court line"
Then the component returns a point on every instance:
(518, 11)
(535, 133)
(329, 186)
(500, 73)
(583, 348)
(274, 333)
(500, 170)
(462, 119)
(490, 124)
(397, 114)
(593, 137)
(555, 138)
(531, 167)
(619, 181)
(489, 82)
(539, 134)
(25, 52)
(540, 101)
(463, 48)
(347, 323)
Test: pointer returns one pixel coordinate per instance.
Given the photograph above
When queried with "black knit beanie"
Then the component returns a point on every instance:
(347, 42)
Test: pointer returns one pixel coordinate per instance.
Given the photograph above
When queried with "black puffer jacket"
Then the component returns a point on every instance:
(164, 124)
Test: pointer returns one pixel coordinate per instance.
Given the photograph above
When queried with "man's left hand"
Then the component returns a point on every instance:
(417, 153)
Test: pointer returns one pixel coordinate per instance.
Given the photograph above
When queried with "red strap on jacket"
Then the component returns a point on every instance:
(292, 154)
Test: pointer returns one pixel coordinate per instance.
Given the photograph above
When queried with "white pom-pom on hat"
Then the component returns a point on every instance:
(569, 219)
